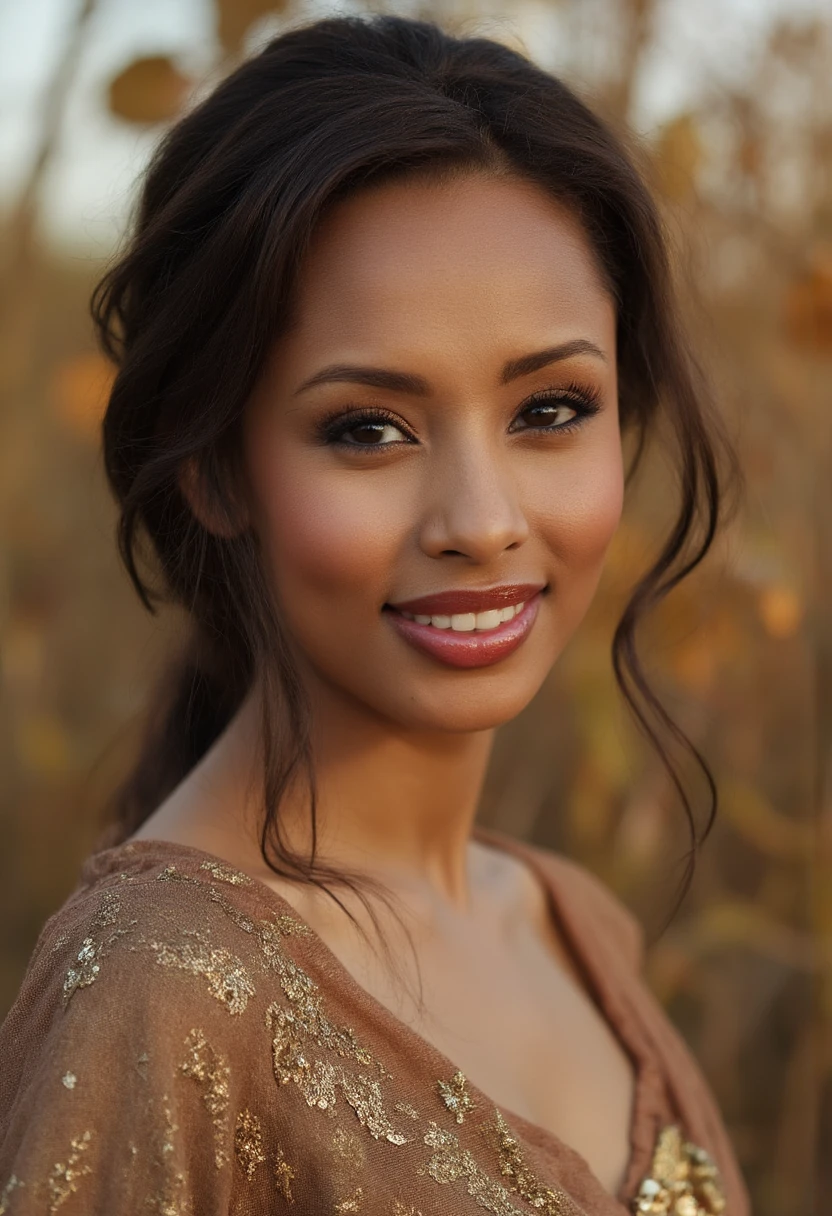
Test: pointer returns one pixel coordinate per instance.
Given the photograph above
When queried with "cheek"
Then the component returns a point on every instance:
(581, 514)
(324, 534)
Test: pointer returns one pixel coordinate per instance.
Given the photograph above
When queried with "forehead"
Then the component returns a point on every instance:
(475, 260)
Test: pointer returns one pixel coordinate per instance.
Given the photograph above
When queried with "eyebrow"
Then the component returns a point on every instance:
(418, 386)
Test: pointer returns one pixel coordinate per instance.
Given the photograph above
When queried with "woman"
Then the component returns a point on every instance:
(393, 302)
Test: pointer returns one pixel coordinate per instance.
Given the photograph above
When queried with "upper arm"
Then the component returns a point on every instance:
(124, 1083)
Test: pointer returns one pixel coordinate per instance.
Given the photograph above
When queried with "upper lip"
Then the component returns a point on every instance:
(448, 603)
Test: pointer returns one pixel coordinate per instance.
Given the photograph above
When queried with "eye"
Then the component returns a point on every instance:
(557, 410)
(547, 415)
(368, 429)
(372, 434)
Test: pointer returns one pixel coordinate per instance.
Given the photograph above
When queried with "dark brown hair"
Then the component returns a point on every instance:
(192, 308)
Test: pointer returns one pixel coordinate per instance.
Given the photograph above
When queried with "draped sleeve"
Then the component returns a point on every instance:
(127, 1081)
(183, 1044)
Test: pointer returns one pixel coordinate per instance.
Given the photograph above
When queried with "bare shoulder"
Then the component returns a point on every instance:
(578, 887)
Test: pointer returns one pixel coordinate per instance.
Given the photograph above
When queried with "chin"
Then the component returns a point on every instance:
(465, 703)
(474, 720)
(415, 693)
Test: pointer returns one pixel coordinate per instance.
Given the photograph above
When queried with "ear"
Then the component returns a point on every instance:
(214, 516)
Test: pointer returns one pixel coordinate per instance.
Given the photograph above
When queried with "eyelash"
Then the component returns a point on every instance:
(585, 400)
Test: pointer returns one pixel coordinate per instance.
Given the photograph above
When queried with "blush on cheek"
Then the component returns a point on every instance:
(579, 524)
(325, 537)
(581, 517)
(598, 522)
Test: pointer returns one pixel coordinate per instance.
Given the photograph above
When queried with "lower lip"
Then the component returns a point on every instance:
(471, 649)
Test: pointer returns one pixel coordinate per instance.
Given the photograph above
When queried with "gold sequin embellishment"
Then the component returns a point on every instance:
(454, 1094)
(522, 1180)
(287, 926)
(347, 1149)
(301, 1030)
(284, 1175)
(87, 963)
(353, 1203)
(348, 1160)
(683, 1180)
(172, 1197)
(210, 1070)
(12, 1185)
(248, 1143)
(319, 1080)
(450, 1163)
(228, 980)
(170, 1129)
(304, 1025)
(224, 873)
(65, 1176)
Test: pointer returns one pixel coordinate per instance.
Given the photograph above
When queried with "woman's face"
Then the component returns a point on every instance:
(436, 442)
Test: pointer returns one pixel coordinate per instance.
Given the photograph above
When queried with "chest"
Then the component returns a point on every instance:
(508, 1014)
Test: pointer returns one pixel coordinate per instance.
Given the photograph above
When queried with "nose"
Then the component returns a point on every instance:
(473, 510)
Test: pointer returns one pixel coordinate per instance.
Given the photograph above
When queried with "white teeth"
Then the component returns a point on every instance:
(490, 619)
(463, 622)
(468, 622)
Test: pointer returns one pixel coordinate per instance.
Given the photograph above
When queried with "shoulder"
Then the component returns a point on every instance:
(125, 968)
(618, 922)
(581, 894)
(134, 1044)
(149, 930)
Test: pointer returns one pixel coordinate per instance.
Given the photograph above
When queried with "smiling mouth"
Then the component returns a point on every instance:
(468, 622)
(469, 601)
(468, 628)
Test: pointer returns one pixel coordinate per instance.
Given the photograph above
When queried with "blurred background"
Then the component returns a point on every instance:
(731, 105)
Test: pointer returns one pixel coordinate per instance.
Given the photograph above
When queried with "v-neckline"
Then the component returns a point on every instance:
(598, 988)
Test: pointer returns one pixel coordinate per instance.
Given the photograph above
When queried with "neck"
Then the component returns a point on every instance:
(397, 805)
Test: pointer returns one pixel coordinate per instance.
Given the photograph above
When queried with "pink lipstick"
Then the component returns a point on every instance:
(468, 628)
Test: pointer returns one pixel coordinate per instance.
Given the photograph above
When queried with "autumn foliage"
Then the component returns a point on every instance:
(741, 652)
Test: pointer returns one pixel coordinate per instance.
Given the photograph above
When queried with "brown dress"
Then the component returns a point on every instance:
(183, 1043)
